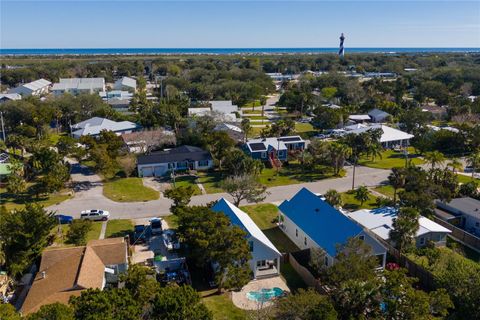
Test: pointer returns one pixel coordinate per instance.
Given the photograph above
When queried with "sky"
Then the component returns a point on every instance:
(238, 24)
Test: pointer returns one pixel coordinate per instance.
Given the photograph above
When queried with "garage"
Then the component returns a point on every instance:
(160, 171)
(147, 172)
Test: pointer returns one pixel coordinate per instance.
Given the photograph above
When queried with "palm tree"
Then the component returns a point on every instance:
(338, 153)
(434, 158)
(455, 165)
(375, 150)
(333, 197)
(246, 128)
(474, 161)
(405, 227)
(397, 180)
(361, 194)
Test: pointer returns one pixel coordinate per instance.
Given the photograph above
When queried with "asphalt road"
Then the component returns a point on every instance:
(92, 196)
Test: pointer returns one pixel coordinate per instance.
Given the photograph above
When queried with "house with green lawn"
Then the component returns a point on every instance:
(274, 150)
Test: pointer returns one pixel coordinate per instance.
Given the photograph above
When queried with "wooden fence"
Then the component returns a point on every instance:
(461, 235)
(304, 273)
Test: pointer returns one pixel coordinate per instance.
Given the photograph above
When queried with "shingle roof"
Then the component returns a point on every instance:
(468, 206)
(324, 224)
(243, 220)
(182, 153)
(377, 112)
(70, 270)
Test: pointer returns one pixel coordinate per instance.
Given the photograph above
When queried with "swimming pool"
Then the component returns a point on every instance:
(264, 294)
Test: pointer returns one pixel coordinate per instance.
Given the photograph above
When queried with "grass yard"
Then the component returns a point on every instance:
(250, 111)
(171, 221)
(184, 181)
(291, 277)
(294, 173)
(94, 234)
(222, 307)
(118, 228)
(210, 181)
(465, 179)
(255, 132)
(350, 203)
(256, 118)
(255, 103)
(12, 201)
(304, 127)
(129, 190)
(264, 216)
(386, 190)
(61, 237)
(390, 159)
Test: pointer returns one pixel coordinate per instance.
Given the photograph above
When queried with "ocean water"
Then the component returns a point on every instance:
(223, 51)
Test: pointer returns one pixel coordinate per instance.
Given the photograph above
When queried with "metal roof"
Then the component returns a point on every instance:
(94, 125)
(324, 224)
(243, 220)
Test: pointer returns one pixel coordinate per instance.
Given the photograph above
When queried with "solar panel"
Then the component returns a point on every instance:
(257, 146)
(290, 139)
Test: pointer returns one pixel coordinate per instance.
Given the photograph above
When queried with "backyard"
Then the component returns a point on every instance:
(350, 203)
(390, 159)
(128, 190)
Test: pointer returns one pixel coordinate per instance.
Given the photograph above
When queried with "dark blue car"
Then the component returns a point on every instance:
(63, 219)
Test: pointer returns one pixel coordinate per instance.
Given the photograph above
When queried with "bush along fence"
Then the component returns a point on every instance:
(461, 235)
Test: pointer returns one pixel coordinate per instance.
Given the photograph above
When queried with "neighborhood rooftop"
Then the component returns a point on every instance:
(95, 125)
(182, 153)
(263, 144)
(380, 221)
(320, 221)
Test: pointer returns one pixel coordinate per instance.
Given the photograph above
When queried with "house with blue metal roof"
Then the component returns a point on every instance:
(311, 222)
(265, 261)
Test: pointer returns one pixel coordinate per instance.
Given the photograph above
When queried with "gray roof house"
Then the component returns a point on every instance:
(93, 126)
(466, 209)
(378, 115)
(34, 88)
(126, 83)
(78, 85)
(4, 97)
(180, 158)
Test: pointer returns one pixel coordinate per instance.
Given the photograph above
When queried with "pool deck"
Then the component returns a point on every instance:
(240, 299)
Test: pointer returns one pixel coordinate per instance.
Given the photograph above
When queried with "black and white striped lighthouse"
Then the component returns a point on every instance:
(341, 51)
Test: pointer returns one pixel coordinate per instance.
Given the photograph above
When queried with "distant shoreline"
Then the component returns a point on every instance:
(220, 51)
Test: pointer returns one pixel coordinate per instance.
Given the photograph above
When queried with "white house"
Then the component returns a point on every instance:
(93, 127)
(79, 85)
(182, 158)
(126, 84)
(379, 221)
(378, 115)
(311, 222)
(265, 261)
(390, 137)
(4, 97)
(34, 88)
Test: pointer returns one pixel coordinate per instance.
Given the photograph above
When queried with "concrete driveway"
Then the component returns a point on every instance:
(93, 198)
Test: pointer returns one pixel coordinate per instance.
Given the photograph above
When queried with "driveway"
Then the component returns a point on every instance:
(93, 198)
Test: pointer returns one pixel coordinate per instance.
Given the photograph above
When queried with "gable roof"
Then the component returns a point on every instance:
(68, 271)
(378, 113)
(388, 133)
(243, 220)
(263, 144)
(466, 205)
(224, 106)
(380, 221)
(127, 81)
(324, 224)
(31, 86)
(178, 154)
(94, 125)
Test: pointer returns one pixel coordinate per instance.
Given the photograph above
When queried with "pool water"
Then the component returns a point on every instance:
(264, 294)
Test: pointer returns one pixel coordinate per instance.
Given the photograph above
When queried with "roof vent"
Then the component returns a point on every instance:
(317, 210)
(44, 274)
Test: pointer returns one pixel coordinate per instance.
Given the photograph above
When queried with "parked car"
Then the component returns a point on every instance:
(63, 219)
(170, 240)
(156, 225)
(141, 233)
(95, 215)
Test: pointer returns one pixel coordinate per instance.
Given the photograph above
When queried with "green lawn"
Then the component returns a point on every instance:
(250, 111)
(128, 190)
(210, 181)
(464, 179)
(350, 203)
(61, 237)
(255, 103)
(255, 118)
(294, 173)
(264, 216)
(94, 234)
(185, 181)
(303, 127)
(390, 159)
(255, 132)
(222, 307)
(118, 228)
(12, 201)
(386, 190)
(171, 220)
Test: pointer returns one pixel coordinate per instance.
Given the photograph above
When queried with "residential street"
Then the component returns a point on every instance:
(92, 197)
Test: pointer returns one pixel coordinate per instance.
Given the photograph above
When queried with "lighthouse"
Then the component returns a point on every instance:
(341, 51)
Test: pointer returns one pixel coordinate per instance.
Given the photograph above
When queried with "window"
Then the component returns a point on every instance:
(296, 232)
(305, 241)
(250, 245)
(361, 237)
(422, 241)
(264, 155)
(182, 165)
(326, 261)
(203, 163)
